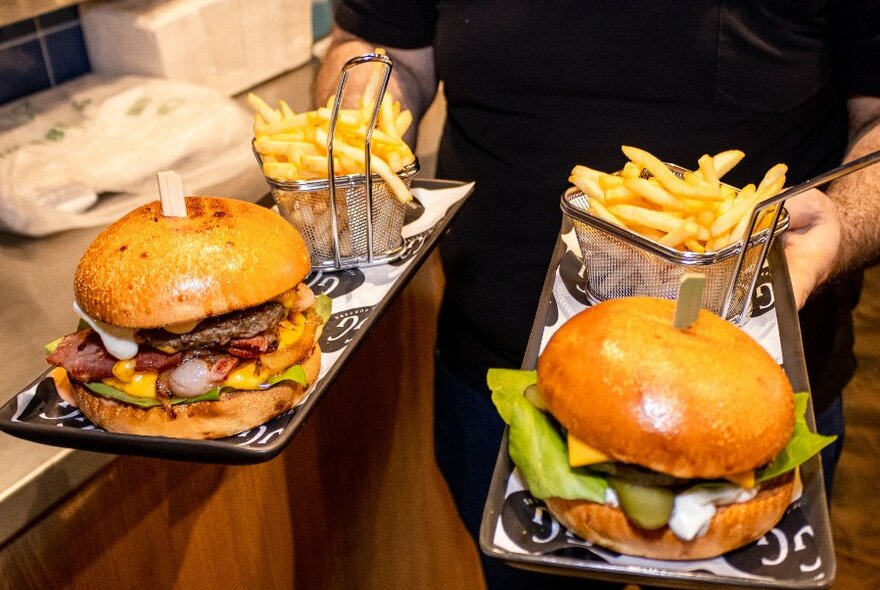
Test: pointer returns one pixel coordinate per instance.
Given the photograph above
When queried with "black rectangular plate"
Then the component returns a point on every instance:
(44, 418)
(797, 554)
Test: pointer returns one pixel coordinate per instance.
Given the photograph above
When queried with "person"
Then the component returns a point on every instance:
(533, 88)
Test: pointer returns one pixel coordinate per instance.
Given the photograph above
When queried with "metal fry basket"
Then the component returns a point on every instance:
(622, 263)
(361, 224)
(339, 231)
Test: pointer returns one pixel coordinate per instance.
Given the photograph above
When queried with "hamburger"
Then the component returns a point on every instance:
(192, 327)
(652, 440)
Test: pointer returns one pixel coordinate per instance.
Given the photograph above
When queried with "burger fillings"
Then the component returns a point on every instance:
(655, 441)
(198, 327)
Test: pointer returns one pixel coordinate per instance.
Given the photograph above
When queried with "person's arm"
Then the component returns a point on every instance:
(857, 196)
(413, 80)
(833, 232)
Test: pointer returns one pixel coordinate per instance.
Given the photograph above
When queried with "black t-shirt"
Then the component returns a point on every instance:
(533, 88)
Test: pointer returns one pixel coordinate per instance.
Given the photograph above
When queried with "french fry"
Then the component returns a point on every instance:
(630, 170)
(587, 172)
(589, 186)
(685, 231)
(380, 167)
(771, 178)
(705, 217)
(293, 146)
(668, 179)
(619, 194)
(280, 170)
(605, 214)
(269, 114)
(761, 194)
(270, 147)
(647, 217)
(691, 211)
(607, 181)
(743, 202)
(694, 246)
(648, 232)
(286, 111)
(708, 172)
(725, 161)
(655, 193)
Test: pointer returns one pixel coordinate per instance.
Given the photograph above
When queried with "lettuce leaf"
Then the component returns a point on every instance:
(149, 402)
(323, 306)
(536, 445)
(802, 445)
(294, 373)
(50, 348)
(112, 392)
(211, 395)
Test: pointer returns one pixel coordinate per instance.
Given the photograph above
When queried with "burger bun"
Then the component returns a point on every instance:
(147, 270)
(731, 527)
(704, 402)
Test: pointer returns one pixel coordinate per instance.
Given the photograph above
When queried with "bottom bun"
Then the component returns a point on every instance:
(732, 526)
(234, 412)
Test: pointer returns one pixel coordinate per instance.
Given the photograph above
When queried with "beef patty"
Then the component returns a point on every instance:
(220, 330)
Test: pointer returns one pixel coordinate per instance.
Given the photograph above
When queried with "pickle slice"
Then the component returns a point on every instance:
(647, 507)
(533, 394)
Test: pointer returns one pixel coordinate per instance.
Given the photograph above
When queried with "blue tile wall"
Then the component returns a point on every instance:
(41, 52)
(322, 18)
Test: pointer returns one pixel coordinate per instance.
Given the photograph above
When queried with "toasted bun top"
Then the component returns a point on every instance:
(147, 270)
(706, 402)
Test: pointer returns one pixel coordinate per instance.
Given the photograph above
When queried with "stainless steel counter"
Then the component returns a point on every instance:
(36, 295)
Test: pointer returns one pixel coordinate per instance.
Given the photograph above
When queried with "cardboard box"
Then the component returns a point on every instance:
(230, 45)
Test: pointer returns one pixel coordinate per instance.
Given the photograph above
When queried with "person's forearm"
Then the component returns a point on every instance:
(857, 196)
(413, 81)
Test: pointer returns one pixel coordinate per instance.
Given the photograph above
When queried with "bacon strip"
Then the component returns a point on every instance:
(251, 347)
(155, 360)
(83, 356)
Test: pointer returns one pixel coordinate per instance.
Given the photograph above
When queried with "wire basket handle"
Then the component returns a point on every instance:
(773, 205)
(331, 169)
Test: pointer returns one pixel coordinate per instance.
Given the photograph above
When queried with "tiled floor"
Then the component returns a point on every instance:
(855, 518)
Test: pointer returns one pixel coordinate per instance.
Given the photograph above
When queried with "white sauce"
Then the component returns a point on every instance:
(611, 497)
(119, 342)
(694, 508)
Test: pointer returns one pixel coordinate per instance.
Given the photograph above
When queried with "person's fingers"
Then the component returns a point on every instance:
(811, 242)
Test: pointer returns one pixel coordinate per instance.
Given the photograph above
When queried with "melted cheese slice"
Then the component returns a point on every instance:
(246, 376)
(251, 374)
(580, 453)
(141, 384)
(289, 331)
(746, 479)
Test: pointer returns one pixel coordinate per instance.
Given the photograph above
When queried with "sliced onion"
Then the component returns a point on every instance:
(305, 298)
(191, 378)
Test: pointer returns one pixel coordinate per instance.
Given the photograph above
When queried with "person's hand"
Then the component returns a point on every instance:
(811, 242)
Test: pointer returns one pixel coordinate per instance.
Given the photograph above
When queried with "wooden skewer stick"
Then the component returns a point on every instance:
(690, 294)
(171, 194)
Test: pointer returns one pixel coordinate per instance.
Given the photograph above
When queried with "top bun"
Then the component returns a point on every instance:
(147, 270)
(704, 402)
